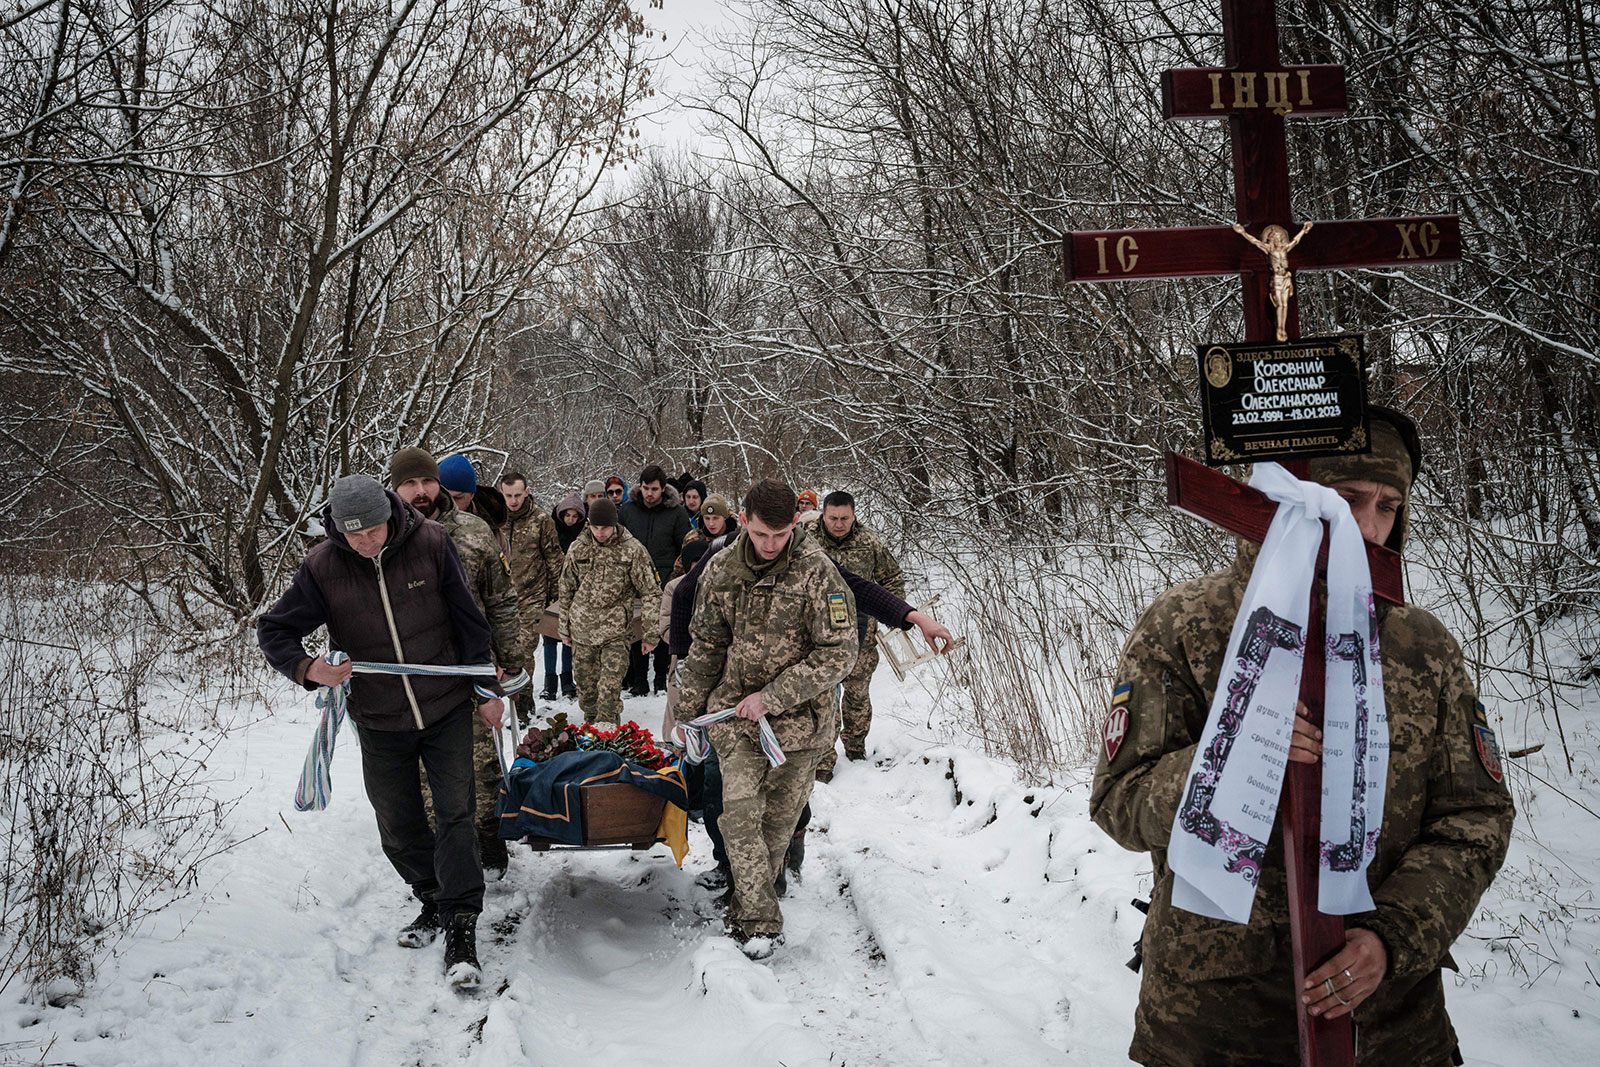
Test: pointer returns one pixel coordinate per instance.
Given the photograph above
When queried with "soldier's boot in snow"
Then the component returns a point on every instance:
(549, 687)
(857, 752)
(569, 688)
(422, 930)
(796, 855)
(717, 906)
(716, 878)
(492, 853)
(461, 968)
(755, 946)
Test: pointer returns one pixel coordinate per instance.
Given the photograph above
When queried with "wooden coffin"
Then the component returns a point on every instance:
(613, 815)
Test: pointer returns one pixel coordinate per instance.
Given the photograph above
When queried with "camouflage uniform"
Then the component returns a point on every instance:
(785, 629)
(535, 556)
(863, 552)
(1446, 826)
(599, 584)
(489, 578)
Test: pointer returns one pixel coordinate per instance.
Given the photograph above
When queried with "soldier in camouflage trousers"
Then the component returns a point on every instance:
(415, 477)
(606, 571)
(852, 545)
(534, 553)
(774, 630)
(1220, 993)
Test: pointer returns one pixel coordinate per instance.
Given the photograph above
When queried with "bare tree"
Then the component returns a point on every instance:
(262, 245)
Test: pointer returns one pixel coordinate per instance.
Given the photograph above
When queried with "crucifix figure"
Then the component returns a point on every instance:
(1256, 93)
(1276, 244)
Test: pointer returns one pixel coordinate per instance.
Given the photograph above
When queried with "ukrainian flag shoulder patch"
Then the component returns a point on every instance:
(838, 610)
(1122, 694)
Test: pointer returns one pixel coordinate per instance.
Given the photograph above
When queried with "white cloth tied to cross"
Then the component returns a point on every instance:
(1230, 798)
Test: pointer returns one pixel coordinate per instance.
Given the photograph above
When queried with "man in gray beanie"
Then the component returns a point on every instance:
(390, 588)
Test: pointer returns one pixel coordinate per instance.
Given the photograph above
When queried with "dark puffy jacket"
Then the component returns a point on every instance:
(411, 604)
(660, 529)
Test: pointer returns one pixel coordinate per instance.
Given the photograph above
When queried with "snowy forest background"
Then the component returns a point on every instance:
(250, 246)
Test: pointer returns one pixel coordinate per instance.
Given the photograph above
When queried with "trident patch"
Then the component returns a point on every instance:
(1117, 721)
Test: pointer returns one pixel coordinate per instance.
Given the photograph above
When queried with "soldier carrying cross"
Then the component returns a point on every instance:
(1248, 958)
(1215, 992)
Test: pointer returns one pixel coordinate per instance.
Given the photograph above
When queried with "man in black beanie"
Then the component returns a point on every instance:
(414, 476)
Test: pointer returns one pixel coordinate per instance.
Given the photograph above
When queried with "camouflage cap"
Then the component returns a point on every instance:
(1395, 459)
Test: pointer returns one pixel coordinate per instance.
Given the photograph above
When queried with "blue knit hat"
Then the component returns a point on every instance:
(456, 474)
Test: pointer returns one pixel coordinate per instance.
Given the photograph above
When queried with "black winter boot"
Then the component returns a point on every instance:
(422, 930)
(549, 687)
(494, 857)
(461, 968)
(796, 855)
(569, 688)
(717, 877)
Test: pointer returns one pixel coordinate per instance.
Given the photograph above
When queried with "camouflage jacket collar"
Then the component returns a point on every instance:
(744, 564)
(619, 535)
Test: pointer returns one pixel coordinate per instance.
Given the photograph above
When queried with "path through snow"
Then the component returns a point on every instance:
(948, 914)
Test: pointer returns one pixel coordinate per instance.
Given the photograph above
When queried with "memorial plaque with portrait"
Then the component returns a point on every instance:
(1283, 399)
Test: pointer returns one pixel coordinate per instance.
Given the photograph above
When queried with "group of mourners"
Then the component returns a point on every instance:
(770, 611)
(623, 585)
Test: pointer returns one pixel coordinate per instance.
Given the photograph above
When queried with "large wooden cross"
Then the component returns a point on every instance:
(1256, 92)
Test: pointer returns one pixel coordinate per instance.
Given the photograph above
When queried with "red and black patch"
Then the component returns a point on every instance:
(1117, 721)
(1488, 751)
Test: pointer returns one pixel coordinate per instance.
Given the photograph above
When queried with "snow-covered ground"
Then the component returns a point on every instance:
(948, 914)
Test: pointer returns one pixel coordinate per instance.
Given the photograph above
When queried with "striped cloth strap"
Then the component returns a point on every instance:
(443, 670)
(316, 776)
(695, 739)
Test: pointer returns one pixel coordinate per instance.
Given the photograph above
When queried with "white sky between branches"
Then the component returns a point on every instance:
(686, 23)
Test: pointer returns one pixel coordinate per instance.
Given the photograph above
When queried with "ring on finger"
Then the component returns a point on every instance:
(1327, 983)
(1350, 976)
